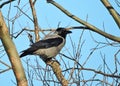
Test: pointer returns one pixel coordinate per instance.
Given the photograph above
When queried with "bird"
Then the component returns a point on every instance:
(50, 46)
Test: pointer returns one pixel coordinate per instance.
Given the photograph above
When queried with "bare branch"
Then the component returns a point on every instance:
(5, 70)
(37, 37)
(7, 2)
(24, 13)
(5, 64)
(112, 11)
(9, 67)
(90, 27)
(90, 55)
(95, 71)
(100, 72)
(57, 70)
(12, 53)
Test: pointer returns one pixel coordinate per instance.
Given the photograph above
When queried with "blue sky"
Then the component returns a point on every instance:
(49, 17)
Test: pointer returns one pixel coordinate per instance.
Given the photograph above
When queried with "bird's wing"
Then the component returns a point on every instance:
(47, 43)
(42, 44)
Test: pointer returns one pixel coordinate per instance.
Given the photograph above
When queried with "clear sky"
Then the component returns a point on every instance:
(49, 17)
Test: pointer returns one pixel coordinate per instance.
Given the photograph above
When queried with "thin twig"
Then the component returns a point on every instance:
(93, 70)
(24, 13)
(5, 64)
(7, 2)
(5, 70)
(90, 55)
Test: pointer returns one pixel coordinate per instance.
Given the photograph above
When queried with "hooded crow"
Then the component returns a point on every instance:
(50, 46)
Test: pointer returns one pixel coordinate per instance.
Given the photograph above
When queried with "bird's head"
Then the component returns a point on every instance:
(63, 32)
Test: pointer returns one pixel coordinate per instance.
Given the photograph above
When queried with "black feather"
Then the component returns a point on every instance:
(42, 44)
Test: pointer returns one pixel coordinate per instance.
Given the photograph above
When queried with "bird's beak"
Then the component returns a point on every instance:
(68, 31)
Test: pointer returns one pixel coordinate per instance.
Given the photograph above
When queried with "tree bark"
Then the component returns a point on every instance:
(12, 54)
(37, 36)
(58, 72)
(112, 11)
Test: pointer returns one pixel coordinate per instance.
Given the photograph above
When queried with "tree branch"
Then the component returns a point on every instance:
(95, 71)
(37, 36)
(90, 27)
(7, 2)
(57, 70)
(9, 67)
(12, 54)
(23, 13)
(112, 11)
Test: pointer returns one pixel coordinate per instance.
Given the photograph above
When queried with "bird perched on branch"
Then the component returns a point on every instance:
(50, 46)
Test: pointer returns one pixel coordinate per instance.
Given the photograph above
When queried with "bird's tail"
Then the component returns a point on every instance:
(25, 52)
